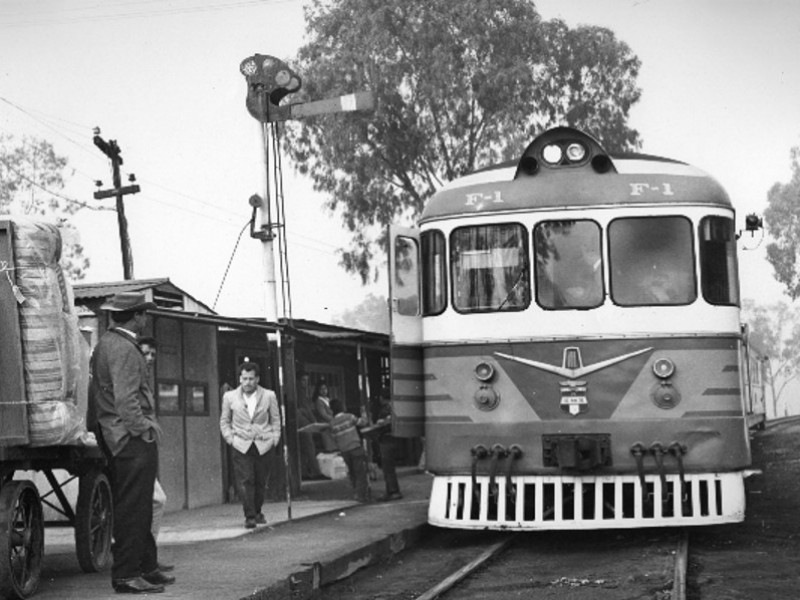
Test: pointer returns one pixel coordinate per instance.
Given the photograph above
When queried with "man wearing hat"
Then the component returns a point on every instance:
(125, 412)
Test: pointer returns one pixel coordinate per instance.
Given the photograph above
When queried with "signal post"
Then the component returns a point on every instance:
(269, 80)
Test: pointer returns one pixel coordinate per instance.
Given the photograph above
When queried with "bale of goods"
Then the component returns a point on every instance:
(54, 356)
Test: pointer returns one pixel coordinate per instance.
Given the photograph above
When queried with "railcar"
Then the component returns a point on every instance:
(566, 337)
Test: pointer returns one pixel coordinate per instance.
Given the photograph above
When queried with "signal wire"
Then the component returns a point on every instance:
(283, 250)
(230, 260)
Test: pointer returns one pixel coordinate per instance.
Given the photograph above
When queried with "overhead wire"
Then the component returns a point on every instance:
(33, 18)
(51, 192)
(224, 219)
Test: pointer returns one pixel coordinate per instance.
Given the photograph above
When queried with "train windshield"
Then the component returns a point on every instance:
(651, 261)
(569, 266)
(489, 268)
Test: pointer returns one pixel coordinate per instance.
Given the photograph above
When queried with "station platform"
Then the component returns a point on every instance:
(328, 535)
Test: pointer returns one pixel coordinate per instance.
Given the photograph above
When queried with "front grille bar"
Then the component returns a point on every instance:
(563, 502)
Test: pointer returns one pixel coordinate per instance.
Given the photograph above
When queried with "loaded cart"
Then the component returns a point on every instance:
(43, 394)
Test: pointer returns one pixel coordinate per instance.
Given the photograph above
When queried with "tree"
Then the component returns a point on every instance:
(372, 314)
(31, 179)
(458, 86)
(782, 219)
(775, 331)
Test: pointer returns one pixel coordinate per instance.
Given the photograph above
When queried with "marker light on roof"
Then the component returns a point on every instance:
(576, 152)
(552, 154)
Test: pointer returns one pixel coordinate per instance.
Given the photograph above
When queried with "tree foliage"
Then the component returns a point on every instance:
(32, 176)
(775, 330)
(371, 314)
(458, 86)
(782, 219)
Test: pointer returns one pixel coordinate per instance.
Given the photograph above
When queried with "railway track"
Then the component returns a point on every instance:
(553, 565)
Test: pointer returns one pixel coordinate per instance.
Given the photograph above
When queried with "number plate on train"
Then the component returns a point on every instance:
(573, 400)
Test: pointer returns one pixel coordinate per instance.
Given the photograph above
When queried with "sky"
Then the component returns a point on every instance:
(720, 90)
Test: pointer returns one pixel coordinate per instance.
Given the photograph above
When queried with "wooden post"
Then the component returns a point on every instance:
(112, 150)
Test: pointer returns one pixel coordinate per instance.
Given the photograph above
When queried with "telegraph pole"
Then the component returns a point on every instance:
(112, 151)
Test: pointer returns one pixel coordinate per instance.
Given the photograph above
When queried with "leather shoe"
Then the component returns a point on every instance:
(250, 523)
(164, 568)
(261, 519)
(135, 585)
(390, 497)
(158, 578)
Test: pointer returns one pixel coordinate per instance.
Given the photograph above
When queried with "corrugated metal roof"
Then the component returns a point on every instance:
(305, 327)
(106, 289)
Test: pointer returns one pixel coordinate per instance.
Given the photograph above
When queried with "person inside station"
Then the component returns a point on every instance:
(309, 467)
(387, 446)
(322, 406)
(344, 430)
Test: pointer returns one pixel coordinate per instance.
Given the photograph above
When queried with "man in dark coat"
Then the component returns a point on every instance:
(123, 406)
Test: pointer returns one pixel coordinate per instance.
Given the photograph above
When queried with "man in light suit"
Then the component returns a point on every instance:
(250, 422)
(124, 410)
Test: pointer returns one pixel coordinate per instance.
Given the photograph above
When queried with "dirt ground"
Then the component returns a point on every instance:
(760, 558)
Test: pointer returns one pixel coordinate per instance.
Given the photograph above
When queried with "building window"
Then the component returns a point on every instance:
(197, 399)
(168, 398)
(164, 299)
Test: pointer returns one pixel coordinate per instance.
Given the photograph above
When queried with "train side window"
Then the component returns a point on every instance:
(489, 268)
(405, 290)
(434, 278)
(569, 265)
(651, 261)
(718, 266)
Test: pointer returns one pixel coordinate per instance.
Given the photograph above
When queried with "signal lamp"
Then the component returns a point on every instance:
(484, 371)
(663, 368)
(248, 68)
(576, 152)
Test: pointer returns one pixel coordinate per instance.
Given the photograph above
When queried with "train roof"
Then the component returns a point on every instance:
(566, 168)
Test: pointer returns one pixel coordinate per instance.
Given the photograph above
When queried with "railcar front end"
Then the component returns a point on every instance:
(565, 335)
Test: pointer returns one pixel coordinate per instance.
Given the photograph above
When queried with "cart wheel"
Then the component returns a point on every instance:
(21, 539)
(94, 520)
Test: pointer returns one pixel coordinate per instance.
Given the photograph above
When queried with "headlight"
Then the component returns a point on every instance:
(484, 371)
(663, 368)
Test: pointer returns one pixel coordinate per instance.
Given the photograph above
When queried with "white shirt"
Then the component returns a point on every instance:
(251, 400)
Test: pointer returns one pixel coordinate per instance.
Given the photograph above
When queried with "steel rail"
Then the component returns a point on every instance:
(681, 566)
(448, 582)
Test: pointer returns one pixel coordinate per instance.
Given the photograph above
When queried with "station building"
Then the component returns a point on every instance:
(198, 354)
